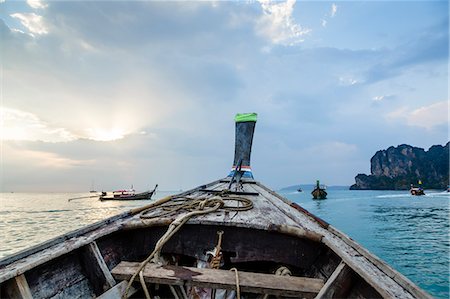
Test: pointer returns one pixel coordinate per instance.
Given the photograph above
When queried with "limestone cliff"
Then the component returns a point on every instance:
(397, 167)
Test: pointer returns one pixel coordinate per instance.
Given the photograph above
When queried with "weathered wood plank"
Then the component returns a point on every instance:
(222, 279)
(17, 287)
(117, 291)
(96, 269)
(57, 277)
(337, 284)
(23, 287)
(395, 275)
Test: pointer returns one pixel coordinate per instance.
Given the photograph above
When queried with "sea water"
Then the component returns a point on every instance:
(410, 233)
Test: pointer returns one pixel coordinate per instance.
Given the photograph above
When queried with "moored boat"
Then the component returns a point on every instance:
(127, 194)
(319, 191)
(230, 238)
(417, 191)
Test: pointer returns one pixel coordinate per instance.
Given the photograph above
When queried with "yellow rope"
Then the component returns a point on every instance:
(144, 286)
(194, 207)
(173, 228)
(238, 288)
(192, 204)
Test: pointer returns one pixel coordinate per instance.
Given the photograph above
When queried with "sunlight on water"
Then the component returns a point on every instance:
(27, 219)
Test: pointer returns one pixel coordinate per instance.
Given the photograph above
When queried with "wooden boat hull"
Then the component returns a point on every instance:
(92, 261)
(417, 192)
(139, 196)
(319, 194)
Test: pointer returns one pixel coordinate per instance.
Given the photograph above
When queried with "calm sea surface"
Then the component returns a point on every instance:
(409, 233)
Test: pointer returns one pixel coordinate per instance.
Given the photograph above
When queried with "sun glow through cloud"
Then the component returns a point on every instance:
(105, 134)
(21, 125)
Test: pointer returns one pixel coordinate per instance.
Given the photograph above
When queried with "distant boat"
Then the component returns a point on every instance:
(92, 188)
(417, 191)
(319, 191)
(299, 190)
(127, 194)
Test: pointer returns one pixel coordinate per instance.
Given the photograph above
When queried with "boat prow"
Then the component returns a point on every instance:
(319, 191)
(184, 246)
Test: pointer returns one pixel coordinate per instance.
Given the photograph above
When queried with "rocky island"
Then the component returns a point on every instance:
(396, 168)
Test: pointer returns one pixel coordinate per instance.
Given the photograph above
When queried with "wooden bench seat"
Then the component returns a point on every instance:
(289, 286)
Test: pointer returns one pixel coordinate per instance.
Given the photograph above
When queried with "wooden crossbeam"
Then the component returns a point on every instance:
(338, 283)
(16, 287)
(289, 286)
(117, 291)
(96, 269)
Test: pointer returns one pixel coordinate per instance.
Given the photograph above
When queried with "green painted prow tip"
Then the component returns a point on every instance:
(244, 117)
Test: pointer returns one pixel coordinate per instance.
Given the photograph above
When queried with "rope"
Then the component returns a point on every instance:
(192, 204)
(238, 288)
(194, 207)
(144, 286)
(282, 271)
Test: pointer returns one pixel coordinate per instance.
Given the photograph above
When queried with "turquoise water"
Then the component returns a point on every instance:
(409, 233)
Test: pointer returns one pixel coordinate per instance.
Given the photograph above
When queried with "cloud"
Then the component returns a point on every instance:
(381, 98)
(333, 10)
(37, 4)
(332, 14)
(278, 25)
(26, 126)
(21, 125)
(105, 135)
(378, 98)
(331, 150)
(429, 47)
(33, 22)
(181, 70)
(347, 81)
(426, 117)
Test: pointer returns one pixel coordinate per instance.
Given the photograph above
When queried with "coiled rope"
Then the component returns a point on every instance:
(194, 207)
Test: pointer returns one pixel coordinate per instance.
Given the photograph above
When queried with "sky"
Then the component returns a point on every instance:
(110, 94)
